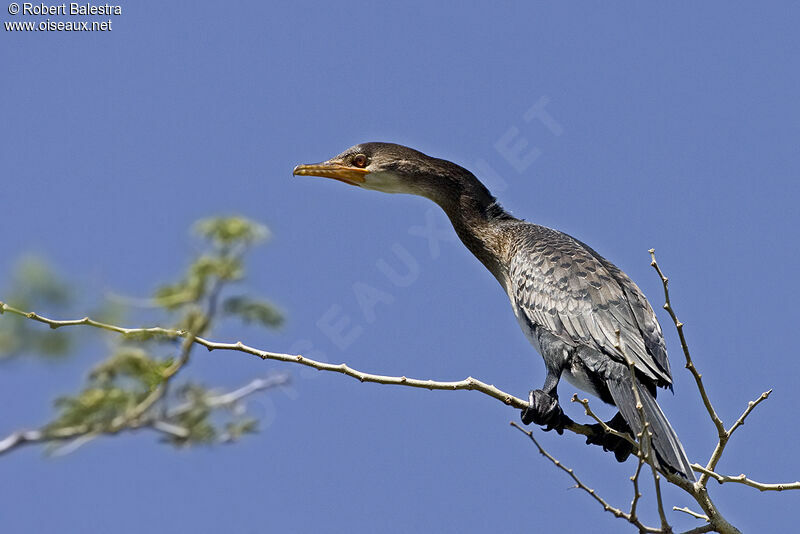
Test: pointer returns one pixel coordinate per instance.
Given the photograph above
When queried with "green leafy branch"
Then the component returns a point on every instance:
(130, 389)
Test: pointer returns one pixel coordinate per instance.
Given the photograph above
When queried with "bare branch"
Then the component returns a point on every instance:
(646, 451)
(75, 444)
(607, 429)
(659, 500)
(138, 417)
(232, 397)
(742, 479)
(723, 439)
(689, 363)
(31, 437)
(255, 386)
(616, 512)
(750, 407)
(692, 513)
(723, 434)
(22, 437)
(699, 490)
(170, 429)
(636, 493)
(468, 383)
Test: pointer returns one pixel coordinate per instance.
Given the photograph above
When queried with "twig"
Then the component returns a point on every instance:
(607, 429)
(742, 479)
(170, 429)
(22, 437)
(232, 397)
(665, 526)
(692, 513)
(468, 383)
(646, 451)
(636, 493)
(75, 444)
(698, 490)
(750, 407)
(726, 436)
(698, 378)
(579, 484)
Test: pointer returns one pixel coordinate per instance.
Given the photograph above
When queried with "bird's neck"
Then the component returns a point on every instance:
(478, 220)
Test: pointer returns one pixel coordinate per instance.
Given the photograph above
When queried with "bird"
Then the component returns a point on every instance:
(589, 321)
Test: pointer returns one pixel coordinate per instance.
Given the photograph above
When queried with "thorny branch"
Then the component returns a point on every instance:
(636, 493)
(742, 479)
(698, 378)
(468, 383)
(628, 516)
(698, 490)
(607, 429)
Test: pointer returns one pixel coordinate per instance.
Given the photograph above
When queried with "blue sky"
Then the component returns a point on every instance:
(674, 127)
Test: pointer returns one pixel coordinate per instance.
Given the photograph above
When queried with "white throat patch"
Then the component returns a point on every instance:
(386, 182)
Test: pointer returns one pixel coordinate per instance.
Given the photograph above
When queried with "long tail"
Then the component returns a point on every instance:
(668, 448)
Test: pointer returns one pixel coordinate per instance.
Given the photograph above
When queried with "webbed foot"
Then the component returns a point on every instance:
(544, 410)
(619, 446)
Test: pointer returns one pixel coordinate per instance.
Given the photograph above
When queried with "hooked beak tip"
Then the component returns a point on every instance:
(343, 173)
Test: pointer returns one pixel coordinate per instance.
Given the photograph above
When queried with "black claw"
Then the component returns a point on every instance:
(543, 410)
(619, 446)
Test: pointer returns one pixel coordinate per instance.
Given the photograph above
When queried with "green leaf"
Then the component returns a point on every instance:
(133, 364)
(196, 418)
(227, 231)
(234, 430)
(35, 283)
(94, 407)
(174, 296)
(223, 267)
(35, 286)
(253, 311)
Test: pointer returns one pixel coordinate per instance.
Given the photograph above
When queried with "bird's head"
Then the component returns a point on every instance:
(390, 168)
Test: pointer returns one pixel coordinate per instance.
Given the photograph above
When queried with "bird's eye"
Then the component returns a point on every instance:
(360, 160)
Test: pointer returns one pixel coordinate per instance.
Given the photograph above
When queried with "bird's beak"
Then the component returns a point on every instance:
(337, 171)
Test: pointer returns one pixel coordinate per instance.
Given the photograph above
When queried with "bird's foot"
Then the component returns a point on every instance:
(544, 410)
(619, 446)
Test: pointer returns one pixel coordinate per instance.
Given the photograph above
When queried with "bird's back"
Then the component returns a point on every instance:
(563, 286)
